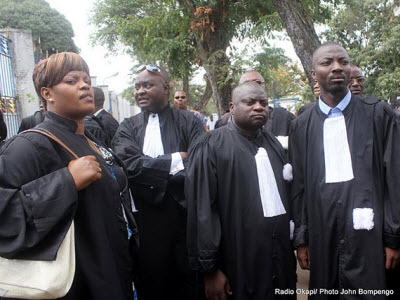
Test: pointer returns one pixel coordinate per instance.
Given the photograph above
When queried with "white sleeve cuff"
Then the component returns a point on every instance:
(176, 163)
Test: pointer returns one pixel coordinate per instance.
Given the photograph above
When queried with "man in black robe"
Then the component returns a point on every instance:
(238, 213)
(345, 193)
(33, 120)
(97, 129)
(153, 146)
(109, 122)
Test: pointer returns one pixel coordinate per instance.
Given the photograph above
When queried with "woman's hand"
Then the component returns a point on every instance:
(84, 171)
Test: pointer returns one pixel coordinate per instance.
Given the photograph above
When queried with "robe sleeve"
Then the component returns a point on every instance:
(392, 180)
(297, 199)
(149, 175)
(33, 204)
(204, 228)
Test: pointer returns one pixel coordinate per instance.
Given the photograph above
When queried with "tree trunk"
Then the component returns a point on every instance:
(212, 40)
(185, 85)
(299, 26)
(202, 104)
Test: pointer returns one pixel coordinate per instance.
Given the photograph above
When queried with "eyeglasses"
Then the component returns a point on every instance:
(360, 80)
(180, 97)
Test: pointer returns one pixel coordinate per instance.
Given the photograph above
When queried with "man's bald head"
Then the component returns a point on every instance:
(246, 88)
(252, 76)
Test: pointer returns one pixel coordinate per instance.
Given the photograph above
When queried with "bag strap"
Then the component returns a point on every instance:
(54, 138)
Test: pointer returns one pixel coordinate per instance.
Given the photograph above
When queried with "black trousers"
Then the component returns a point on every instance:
(164, 271)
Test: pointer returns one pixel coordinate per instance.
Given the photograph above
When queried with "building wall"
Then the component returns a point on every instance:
(23, 63)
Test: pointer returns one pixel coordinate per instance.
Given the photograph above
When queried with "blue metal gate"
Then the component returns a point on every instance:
(8, 93)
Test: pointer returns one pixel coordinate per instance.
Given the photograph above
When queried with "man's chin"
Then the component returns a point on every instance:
(337, 89)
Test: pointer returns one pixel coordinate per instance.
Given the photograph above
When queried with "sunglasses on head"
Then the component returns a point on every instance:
(180, 97)
(151, 68)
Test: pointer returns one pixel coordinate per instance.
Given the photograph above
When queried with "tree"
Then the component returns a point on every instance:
(282, 77)
(190, 32)
(296, 18)
(51, 31)
(370, 31)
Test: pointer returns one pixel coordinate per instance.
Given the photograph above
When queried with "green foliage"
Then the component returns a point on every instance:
(153, 31)
(54, 30)
(370, 31)
(282, 77)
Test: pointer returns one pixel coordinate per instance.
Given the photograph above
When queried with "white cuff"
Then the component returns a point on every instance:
(176, 163)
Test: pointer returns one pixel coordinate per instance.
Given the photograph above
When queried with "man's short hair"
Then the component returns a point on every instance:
(98, 97)
(326, 44)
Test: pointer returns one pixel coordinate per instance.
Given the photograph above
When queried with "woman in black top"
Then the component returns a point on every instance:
(42, 189)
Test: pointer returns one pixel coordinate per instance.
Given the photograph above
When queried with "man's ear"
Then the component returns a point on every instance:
(166, 89)
(46, 93)
(313, 75)
(231, 108)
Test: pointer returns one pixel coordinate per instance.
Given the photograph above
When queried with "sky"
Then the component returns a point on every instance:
(104, 67)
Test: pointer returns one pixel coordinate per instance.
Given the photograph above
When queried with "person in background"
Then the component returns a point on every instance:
(42, 188)
(153, 145)
(31, 121)
(95, 126)
(181, 102)
(109, 122)
(211, 123)
(357, 81)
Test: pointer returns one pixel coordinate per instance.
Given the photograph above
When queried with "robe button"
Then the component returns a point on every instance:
(152, 187)
(341, 242)
(28, 195)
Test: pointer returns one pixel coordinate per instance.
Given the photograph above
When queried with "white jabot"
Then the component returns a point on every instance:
(270, 198)
(338, 165)
(153, 146)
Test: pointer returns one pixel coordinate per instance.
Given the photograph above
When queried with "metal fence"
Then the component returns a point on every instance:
(8, 94)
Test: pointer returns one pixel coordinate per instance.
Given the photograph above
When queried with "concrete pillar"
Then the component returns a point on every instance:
(23, 63)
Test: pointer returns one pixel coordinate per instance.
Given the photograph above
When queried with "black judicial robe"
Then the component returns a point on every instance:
(149, 177)
(97, 129)
(340, 256)
(163, 272)
(279, 121)
(226, 226)
(31, 121)
(109, 122)
(38, 200)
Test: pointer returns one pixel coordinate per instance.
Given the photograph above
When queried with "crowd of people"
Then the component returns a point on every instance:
(165, 202)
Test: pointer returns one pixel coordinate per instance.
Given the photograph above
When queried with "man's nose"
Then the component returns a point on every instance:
(258, 107)
(337, 66)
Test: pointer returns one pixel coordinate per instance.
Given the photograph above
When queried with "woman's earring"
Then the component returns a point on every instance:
(51, 100)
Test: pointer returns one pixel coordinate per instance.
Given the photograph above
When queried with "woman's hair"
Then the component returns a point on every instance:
(51, 71)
